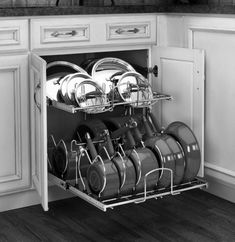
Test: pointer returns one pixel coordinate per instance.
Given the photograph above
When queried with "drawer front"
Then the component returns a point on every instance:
(13, 35)
(131, 29)
(64, 34)
(59, 33)
(128, 31)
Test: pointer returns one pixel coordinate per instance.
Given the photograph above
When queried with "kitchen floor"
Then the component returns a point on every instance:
(191, 216)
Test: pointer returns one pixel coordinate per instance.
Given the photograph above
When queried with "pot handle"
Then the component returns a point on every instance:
(91, 146)
(147, 127)
(154, 122)
(130, 139)
(109, 144)
(119, 132)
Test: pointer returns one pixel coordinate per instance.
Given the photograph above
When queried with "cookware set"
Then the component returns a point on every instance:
(121, 156)
(114, 157)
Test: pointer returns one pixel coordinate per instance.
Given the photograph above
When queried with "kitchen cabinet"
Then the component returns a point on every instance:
(180, 74)
(15, 172)
(177, 68)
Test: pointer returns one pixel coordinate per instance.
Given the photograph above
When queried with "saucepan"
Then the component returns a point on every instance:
(124, 166)
(174, 146)
(143, 158)
(188, 144)
(159, 145)
(102, 174)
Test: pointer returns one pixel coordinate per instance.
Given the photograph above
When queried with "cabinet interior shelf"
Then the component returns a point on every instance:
(107, 107)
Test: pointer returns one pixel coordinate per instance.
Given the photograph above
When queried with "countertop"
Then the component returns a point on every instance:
(47, 11)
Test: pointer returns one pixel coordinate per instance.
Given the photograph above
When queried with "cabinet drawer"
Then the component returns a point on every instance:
(59, 33)
(125, 30)
(128, 31)
(13, 35)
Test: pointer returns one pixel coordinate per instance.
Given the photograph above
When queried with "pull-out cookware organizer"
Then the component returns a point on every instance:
(78, 185)
(61, 118)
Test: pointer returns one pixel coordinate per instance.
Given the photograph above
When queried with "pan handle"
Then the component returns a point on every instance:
(130, 139)
(109, 143)
(154, 121)
(147, 127)
(91, 146)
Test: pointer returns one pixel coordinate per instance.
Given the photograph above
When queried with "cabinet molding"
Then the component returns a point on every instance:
(14, 35)
(9, 36)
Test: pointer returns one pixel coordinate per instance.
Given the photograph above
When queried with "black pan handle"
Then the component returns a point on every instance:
(91, 146)
(147, 127)
(137, 134)
(154, 122)
(130, 139)
(109, 144)
(119, 132)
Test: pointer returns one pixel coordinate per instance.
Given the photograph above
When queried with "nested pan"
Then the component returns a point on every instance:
(64, 161)
(185, 136)
(143, 158)
(174, 146)
(125, 168)
(159, 145)
(102, 174)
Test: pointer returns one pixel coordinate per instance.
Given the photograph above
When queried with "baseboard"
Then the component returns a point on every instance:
(30, 197)
(221, 182)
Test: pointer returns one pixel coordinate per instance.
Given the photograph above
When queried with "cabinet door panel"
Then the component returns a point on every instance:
(39, 127)
(14, 124)
(181, 74)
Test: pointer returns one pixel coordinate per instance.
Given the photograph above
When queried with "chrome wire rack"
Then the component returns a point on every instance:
(104, 205)
(109, 106)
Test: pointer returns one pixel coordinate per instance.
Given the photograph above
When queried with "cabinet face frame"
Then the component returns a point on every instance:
(39, 127)
(153, 55)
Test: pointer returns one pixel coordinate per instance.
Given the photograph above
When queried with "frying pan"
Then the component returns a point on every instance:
(188, 143)
(185, 136)
(159, 145)
(102, 174)
(64, 160)
(174, 146)
(125, 168)
(143, 158)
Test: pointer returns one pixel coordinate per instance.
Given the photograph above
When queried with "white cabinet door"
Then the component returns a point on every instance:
(181, 74)
(39, 127)
(14, 124)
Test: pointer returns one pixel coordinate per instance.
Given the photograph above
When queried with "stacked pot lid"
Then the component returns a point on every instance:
(97, 85)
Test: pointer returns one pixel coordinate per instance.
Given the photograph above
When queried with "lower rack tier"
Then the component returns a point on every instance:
(137, 198)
